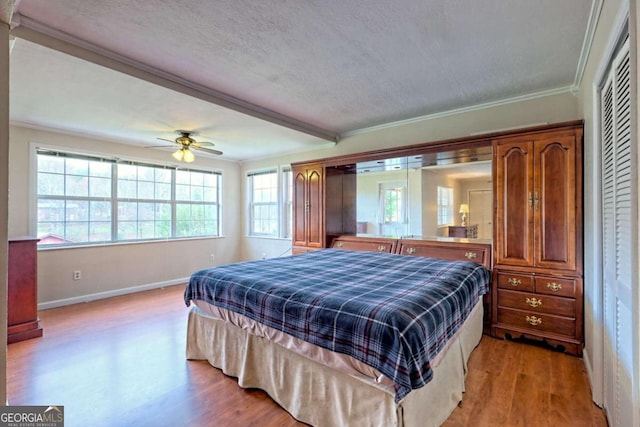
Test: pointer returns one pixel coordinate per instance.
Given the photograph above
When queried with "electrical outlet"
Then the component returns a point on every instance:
(77, 275)
(264, 255)
(212, 257)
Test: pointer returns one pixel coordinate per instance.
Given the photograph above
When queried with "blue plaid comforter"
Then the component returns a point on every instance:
(392, 312)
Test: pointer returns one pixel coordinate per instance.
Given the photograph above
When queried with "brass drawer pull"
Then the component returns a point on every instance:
(339, 245)
(533, 320)
(411, 250)
(381, 248)
(471, 255)
(534, 302)
(555, 287)
(514, 282)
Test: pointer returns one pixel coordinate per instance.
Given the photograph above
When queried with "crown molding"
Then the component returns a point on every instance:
(594, 17)
(472, 108)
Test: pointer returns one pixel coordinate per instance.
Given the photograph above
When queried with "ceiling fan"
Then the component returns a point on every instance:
(185, 144)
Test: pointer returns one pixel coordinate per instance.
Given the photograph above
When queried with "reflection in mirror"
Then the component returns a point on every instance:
(447, 194)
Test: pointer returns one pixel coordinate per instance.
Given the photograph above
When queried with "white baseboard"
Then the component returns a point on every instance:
(109, 294)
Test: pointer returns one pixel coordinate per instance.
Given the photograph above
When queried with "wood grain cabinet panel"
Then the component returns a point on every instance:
(308, 205)
(532, 323)
(556, 286)
(515, 281)
(514, 197)
(364, 244)
(454, 251)
(22, 290)
(537, 303)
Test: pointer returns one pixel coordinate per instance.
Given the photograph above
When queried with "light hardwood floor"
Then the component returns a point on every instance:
(120, 362)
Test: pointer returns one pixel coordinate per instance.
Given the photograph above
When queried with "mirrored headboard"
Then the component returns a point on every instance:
(439, 194)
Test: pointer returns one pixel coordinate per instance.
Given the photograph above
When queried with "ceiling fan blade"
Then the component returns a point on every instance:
(168, 140)
(159, 146)
(204, 144)
(206, 150)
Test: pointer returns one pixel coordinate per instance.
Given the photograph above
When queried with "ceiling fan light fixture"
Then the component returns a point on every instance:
(186, 144)
(179, 155)
(188, 156)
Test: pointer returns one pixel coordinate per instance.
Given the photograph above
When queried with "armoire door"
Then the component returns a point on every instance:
(299, 207)
(308, 206)
(315, 207)
(554, 200)
(513, 189)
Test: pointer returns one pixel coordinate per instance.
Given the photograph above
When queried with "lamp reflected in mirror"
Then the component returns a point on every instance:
(464, 210)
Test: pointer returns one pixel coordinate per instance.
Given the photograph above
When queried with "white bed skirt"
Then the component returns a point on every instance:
(322, 396)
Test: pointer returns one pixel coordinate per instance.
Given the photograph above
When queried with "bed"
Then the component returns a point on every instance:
(340, 337)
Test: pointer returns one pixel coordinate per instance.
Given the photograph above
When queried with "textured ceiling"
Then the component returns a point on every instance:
(334, 65)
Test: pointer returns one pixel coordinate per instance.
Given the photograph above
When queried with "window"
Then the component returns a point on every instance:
(197, 203)
(144, 202)
(83, 199)
(270, 203)
(445, 206)
(74, 200)
(393, 200)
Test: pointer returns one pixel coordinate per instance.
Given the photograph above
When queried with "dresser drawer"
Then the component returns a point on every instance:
(515, 281)
(555, 286)
(453, 253)
(537, 321)
(364, 244)
(537, 303)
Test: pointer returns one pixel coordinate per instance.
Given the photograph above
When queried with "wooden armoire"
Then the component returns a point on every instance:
(537, 290)
(324, 203)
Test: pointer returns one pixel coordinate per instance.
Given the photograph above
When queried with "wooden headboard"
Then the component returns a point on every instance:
(457, 250)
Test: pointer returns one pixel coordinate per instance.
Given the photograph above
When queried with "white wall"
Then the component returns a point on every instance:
(113, 269)
(431, 180)
(467, 185)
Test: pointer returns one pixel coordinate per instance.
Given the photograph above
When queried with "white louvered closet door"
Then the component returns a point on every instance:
(619, 203)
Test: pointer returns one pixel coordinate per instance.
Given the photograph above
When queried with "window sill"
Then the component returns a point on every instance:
(137, 242)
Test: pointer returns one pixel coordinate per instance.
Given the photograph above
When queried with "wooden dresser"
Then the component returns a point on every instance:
(538, 238)
(22, 290)
(465, 231)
